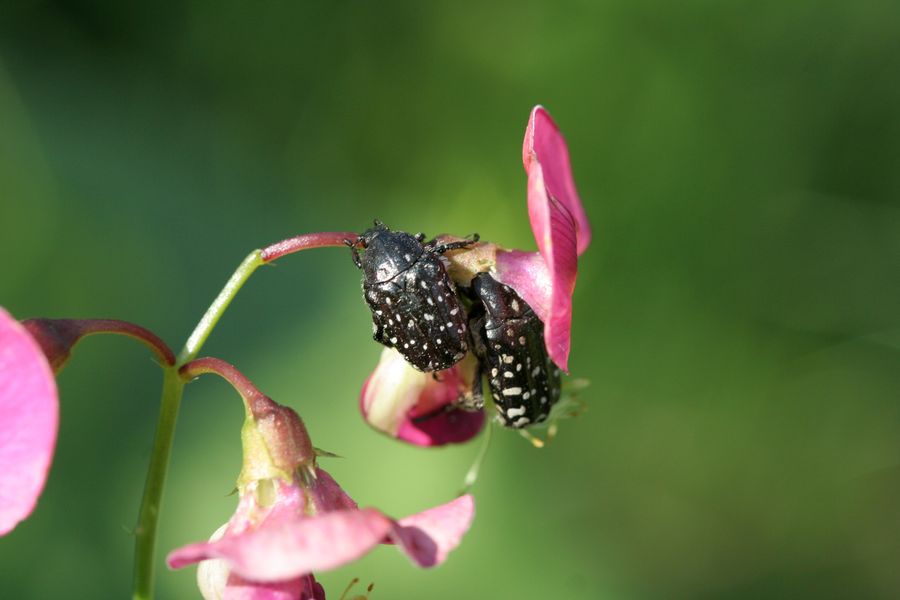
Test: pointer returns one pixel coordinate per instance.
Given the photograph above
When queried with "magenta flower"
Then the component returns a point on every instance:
(293, 519)
(29, 417)
(401, 403)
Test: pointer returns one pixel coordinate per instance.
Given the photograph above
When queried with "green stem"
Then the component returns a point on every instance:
(173, 387)
(145, 533)
(217, 308)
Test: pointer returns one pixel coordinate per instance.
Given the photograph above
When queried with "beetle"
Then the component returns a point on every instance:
(508, 339)
(414, 304)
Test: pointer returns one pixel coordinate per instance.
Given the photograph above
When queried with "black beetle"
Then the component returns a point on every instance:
(508, 340)
(414, 304)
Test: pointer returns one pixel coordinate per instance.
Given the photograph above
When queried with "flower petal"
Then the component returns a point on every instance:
(326, 495)
(429, 536)
(415, 407)
(546, 282)
(288, 548)
(216, 582)
(29, 407)
(545, 145)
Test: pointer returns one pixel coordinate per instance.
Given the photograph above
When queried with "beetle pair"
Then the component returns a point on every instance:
(416, 309)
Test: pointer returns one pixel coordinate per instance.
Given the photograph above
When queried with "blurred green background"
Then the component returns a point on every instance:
(738, 313)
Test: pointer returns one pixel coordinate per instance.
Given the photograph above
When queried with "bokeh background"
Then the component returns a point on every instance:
(738, 314)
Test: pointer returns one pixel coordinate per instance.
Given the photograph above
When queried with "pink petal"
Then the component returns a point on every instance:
(412, 406)
(545, 145)
(216, 582)
(29, 417)
(546, 283)
(427, 537)
(284, 549)
(301, 588)
(326, 495)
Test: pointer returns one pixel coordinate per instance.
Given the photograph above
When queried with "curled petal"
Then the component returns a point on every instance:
(427, 537)
(544, 145)
(282, 549)
(546, 281)
(29, 417)
(418, 407)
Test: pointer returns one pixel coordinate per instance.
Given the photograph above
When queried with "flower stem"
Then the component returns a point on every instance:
(305, 241)
(218, 306)
(173, 387)
(148, 519)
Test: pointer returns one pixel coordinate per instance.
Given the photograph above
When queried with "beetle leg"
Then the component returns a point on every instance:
(441, 248)
(354, 252)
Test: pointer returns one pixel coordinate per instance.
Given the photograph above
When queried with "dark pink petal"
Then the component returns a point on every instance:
(427, 537)
(415, 407)
(452, 426)
(545, 145)
(301, 588)
(29, 417)
(557, 246)
(288, 548)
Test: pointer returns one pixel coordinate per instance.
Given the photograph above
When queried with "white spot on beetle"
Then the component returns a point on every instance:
(508, 359)
(508, 374)
(438, 341)
(518, 367)
(454, 311)
(393, 340)
(494, 372)
(411, 324)
(407, 257)
(387, 300)
(440, 298)
(424, 346)
(379, 313)
(429, 317)
(526, 395)
(535, 372)
(515, 412)
(406, 345)
(513, 391)
(522, 421)
(522, 340)
(543, 399)
(430, 302)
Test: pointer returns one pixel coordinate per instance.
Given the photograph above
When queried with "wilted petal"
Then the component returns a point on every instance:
(417, 407)
(284, 549)
(427, 537)
(545, 145)
(29, 417)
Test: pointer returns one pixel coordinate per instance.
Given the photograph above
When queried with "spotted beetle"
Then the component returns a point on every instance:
(508, 339)
(414, 304)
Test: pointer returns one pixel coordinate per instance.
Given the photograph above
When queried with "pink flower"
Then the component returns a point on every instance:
(293, 519)
(400, 403)
(420, 408)
(29, 417)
